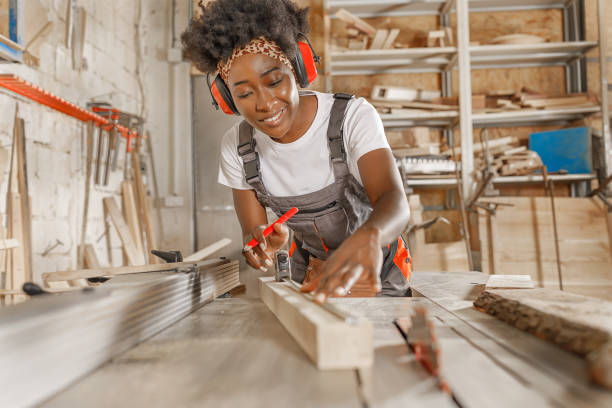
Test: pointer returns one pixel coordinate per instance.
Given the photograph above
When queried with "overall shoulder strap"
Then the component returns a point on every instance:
(250, 158)
(335, 138)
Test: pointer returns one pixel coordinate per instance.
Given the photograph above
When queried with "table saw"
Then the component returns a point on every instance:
(234, 352)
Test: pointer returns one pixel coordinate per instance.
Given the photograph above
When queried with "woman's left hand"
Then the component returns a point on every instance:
(360, 254)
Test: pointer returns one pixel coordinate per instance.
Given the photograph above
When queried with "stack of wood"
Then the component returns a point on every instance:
(401, 100)
(418, 141)
(360, 35)
(509, 100)
(506, 157)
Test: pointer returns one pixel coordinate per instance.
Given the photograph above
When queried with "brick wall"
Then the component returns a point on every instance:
(55, 142)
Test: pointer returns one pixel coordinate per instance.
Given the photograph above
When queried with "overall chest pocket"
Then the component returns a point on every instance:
(332, 227)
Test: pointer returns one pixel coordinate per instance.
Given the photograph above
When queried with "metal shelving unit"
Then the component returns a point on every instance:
(525, 117)
(434, 119)
(393, 61)
(465, 58)
(525, 55)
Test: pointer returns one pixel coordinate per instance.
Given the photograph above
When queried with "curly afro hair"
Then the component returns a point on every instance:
(228, 24)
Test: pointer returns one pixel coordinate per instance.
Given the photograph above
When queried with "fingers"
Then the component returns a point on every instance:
(349, 279)
(254, 261)
(278, 237)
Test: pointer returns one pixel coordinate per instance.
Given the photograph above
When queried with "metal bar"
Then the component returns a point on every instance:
(465, 96)
(548, 184)
(605, 113)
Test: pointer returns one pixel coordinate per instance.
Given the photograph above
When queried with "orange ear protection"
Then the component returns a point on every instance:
(305, 70)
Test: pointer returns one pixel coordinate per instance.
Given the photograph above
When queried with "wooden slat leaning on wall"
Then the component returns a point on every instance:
(134, 256)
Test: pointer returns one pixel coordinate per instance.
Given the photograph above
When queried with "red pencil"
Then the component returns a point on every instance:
(253, 243)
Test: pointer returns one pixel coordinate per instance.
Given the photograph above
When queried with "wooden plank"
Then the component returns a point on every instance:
(525, 239)
(88, 162)
(579, 324)
(131, 213)
(355, 21)
(144, 208)
(208, 250)
(237, 340)
(510, 282)
(379, 39)
(134, 257)
(328, 341)
(558, 376)
(9, 243)
(90, 258)
(393, 33)
(26, 209)
(126, 270)
(84, 330)
(78, 37)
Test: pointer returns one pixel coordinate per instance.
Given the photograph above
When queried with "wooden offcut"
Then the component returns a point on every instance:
(134, 256)
(128, 270)
(329, 342)
(130, 211)
(580, 324)
(208, 250)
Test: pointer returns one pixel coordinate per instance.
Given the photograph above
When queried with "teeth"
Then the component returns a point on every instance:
(275, 117)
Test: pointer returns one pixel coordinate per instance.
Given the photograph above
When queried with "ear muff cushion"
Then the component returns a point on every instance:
(223, 97)
(304, 65)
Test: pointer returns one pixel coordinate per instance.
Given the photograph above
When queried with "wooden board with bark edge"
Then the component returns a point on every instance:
(329, 342)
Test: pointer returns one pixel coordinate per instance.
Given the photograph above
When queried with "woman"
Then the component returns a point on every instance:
(325, 154)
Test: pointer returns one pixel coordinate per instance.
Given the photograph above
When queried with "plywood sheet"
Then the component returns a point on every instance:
(523, 240)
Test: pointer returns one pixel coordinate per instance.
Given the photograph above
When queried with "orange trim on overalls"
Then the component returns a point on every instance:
(292, 249)
(402, 259)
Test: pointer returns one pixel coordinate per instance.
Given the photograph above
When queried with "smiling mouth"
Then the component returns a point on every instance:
(273, 120)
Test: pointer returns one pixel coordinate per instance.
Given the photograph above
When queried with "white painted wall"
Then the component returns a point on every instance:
(55, 148)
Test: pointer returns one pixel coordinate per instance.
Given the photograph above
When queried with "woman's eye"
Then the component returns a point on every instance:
(275, 83)
(244, 95)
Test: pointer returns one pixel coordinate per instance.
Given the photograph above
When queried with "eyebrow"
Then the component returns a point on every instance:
(261, 76)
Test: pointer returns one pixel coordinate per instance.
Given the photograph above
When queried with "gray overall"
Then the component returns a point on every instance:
(328, 216)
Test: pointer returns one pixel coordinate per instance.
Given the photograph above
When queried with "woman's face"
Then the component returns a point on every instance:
(265, 93)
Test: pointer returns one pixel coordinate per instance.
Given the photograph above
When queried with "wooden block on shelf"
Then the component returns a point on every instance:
(358, 45)
(355, 21)
(393, 33)
(328, 341)
(580, 324)
(435, 38)
(402, 95)
(517, 39)
(379, 39)
(417, 151)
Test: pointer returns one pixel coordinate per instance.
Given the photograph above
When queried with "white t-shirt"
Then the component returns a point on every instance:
(304, 166)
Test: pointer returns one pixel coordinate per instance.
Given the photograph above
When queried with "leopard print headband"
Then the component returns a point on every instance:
(260, 45)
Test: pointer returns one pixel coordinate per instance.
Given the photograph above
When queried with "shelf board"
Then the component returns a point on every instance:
(536, 116)
(508, 5)
(537, 178)
(393, 61)
(437, 182)
(436, 119)
(369, 8)
(513, 55)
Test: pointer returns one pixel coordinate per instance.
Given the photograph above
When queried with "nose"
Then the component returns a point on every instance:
(265, 100)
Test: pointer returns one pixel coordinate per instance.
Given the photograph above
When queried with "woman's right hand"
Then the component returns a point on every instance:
(261, 257)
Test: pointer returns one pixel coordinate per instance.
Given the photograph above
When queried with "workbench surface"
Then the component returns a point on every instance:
(234, 352)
